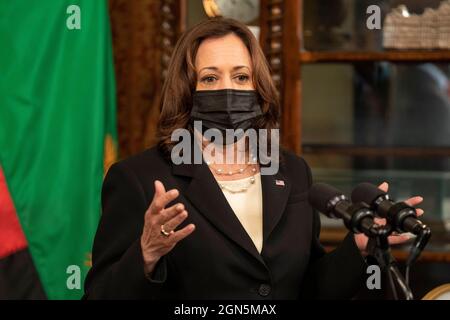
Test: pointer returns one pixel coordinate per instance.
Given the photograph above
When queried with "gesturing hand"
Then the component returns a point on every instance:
(159, 235)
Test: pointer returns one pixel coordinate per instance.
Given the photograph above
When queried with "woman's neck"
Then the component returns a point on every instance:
(229, 162)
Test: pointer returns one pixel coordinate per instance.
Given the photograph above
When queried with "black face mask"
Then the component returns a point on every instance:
(226, 109)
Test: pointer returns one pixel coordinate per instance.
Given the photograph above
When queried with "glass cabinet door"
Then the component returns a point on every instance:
(330, 25)
(380, 121)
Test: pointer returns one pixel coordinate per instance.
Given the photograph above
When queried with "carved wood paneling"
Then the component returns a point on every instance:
(139, 29)
(280, 34)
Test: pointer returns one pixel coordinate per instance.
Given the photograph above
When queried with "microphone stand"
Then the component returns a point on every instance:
(378, 247)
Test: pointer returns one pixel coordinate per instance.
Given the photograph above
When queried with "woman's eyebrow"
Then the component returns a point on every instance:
(210, 68)
(218, 70)
(240, 67)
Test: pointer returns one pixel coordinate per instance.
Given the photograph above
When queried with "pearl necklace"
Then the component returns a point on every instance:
(220, 171)
(243, 187)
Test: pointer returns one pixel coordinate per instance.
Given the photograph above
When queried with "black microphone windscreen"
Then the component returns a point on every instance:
(320, 195)
(366, 192)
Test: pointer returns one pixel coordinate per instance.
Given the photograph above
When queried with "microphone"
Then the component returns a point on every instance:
(401, 216)
(358, 218)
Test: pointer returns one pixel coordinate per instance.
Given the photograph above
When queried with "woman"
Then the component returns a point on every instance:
(222, 230)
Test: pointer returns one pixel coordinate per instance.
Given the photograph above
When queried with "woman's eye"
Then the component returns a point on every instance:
(242, 78)
(208, 79)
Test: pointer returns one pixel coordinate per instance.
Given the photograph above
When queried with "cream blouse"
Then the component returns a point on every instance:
(247, 206)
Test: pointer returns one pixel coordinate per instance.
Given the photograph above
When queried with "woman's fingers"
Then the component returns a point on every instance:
(168, 213)
(182, 233)
(160, 202)
(173, 223)
(411, 201)
(398, 239)
(153, 243)
(414, 201)
(161, 197)
(159, 189)
(384, 187)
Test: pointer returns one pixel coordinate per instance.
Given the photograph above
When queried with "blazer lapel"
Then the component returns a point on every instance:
(206, 195)
(275, 189)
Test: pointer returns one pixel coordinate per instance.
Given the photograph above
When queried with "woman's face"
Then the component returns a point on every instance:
(223, 63)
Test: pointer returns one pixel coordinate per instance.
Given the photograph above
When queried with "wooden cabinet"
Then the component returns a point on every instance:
(282, 34)
(281, 39)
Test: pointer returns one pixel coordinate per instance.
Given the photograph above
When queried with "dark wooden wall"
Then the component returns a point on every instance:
(138, 29)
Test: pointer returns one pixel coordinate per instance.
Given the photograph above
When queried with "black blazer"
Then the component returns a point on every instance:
(218, 260)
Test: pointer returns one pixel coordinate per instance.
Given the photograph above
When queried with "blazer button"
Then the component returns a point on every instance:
(264, 290)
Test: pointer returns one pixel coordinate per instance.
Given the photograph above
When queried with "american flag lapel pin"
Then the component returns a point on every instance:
(279, 182)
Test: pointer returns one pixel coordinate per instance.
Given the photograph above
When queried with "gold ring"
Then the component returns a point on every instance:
(164, 232)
